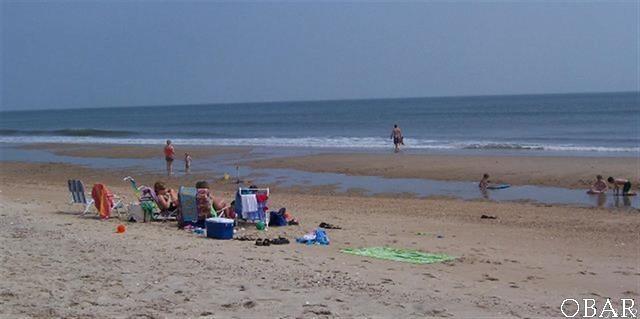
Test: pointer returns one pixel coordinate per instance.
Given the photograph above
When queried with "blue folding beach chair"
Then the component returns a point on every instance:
(188, 205)
(78, 196)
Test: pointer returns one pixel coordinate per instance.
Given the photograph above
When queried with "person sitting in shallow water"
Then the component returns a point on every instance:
(599, 187)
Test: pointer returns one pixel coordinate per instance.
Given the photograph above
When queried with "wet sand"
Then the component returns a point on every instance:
(133, 151)
(521, 264)
(568, 172)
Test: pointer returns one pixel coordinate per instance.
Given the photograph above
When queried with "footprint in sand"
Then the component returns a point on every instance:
(426, 274)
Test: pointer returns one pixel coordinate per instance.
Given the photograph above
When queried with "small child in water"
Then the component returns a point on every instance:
(599, 186)
(484, 182)
(617, 182)
(187, 162)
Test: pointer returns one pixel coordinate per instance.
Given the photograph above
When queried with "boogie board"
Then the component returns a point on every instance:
(500, 186)
(627, 194)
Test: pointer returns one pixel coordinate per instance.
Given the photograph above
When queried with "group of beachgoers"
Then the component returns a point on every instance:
(167, 201)
(170, 156)
(207, 204)
(619, 186)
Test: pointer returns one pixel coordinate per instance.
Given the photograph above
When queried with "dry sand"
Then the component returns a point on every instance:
(522, 264)
(570, 172)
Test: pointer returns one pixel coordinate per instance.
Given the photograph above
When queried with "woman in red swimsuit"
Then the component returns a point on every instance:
(169, 156)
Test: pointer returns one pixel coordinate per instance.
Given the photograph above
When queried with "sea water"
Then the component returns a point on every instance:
(572, 124)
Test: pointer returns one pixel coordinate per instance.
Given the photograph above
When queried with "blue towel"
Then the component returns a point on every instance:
(318, 237)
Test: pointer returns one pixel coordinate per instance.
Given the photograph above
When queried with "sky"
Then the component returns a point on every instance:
(61, 54)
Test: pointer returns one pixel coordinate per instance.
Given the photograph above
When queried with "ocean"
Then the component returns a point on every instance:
(556, 123)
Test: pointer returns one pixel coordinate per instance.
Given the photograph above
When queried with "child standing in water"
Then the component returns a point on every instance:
(187, 163)
(484, 182)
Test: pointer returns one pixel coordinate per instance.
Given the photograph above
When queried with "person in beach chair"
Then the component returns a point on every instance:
(208, 205)
(599, 186)
(167, 201)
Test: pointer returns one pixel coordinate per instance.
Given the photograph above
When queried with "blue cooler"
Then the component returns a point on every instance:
(219, 228)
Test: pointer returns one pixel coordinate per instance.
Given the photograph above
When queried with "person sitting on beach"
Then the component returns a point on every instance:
(617, 182)
(484, 182)
(206, 201)
(167, 197)
(599, 187)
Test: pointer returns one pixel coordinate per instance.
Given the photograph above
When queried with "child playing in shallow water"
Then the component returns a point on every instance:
(599, 186)
(484, 182)
(187, 162)
(617, 182)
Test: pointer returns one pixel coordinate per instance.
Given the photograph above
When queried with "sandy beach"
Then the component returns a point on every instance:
(372, 121)
(524, 263)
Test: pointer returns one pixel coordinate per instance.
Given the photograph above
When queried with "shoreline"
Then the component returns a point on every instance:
(115, 151)
(573, 172)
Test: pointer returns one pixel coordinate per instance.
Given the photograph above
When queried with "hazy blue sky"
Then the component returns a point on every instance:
(91, 53)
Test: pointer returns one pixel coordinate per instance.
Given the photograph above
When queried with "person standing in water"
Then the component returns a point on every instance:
(396, 135)
(187, 163)
(169, 156)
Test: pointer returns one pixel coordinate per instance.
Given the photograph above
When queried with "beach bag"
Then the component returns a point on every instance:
(277, 219)
(136, 213)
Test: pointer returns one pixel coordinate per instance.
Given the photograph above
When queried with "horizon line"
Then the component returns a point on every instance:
(314, 100)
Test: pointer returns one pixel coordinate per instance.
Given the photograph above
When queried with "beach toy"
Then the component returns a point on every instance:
(219, 228)
(500, 186)
(120, 229)
(260, 225)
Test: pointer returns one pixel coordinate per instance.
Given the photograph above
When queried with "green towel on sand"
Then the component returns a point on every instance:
(403, 255)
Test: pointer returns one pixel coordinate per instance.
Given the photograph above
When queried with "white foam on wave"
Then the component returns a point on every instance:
(318, 142)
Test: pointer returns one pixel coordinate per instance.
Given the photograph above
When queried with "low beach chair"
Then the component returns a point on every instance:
(149, 202)
(134, 185)
(188, 206)
(78, 196)
(106, 202)
(251, 204)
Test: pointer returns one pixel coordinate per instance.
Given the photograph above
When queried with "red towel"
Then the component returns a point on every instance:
(261, 198)
(103, 199)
